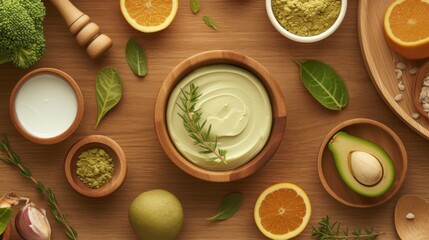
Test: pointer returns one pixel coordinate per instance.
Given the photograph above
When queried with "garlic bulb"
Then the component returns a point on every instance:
(32, 224)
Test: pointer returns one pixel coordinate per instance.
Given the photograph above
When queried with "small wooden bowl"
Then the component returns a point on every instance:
(375, 132)
(114, 151)
(80, 106)
(277, 104)
(7, 232)
(418, 84)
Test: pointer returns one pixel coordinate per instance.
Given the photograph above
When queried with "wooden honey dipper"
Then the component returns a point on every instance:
(86, 32)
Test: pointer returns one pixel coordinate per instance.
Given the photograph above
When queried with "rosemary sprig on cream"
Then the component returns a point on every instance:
(194, 125)
(13, 158)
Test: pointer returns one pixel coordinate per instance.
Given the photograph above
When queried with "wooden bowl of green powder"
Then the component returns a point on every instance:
(306, 21)
(95, 166)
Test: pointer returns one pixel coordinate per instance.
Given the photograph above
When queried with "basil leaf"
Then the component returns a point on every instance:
(230, 204)
(136, 58)
(5, 216)
(209, 22)
(324, 84)
(109, 91)
(195, 5)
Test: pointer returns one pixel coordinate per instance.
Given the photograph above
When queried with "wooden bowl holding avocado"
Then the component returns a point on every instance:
(220, 116)
(362, 163)
(95, 166)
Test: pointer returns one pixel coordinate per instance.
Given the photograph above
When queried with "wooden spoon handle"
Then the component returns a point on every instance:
(86, 32)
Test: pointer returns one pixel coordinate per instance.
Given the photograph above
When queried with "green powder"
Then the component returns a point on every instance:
(306, 17)
(95, 167)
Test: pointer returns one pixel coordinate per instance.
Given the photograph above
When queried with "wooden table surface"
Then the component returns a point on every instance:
(243, 27)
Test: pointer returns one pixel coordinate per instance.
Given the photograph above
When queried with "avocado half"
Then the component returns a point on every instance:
(342, 145)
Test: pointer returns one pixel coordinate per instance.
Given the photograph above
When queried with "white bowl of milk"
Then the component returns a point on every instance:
(46, 106)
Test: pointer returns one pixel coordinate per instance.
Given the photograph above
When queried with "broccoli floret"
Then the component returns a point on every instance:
(36, 10)
(21, 32)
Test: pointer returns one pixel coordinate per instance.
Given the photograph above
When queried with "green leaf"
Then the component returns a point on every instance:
(195, 5)
(324, 84)
(5, 216)
(209, 22)
(230, 204)
(136, 58)
(109, 91)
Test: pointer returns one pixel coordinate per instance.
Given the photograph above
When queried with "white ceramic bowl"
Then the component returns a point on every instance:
(304, 39)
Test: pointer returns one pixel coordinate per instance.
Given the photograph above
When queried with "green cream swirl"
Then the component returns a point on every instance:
(235, 103)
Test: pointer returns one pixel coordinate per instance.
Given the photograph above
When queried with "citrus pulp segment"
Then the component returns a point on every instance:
(406, 28)
(282, 211)
(149, 15)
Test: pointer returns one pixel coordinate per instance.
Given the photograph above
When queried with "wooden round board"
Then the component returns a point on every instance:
(381, 62)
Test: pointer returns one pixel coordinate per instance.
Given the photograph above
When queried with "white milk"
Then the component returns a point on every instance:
(46, 105)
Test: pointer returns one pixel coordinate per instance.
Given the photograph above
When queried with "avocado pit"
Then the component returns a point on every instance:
(365, 168)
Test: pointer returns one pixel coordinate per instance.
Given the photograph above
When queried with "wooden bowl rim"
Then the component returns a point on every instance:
(418, 84)
(118, 158)
(221, 57)
(76, 121)
(388, 195)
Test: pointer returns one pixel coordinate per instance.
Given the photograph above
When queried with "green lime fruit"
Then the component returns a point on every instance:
(156, 214)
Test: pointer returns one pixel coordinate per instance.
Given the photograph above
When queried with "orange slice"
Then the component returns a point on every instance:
(406, 28)
(149, 15)
(282, 211)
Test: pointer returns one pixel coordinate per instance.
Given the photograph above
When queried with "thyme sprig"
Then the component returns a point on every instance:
(194, 125)
(328, 231)
(13, 158)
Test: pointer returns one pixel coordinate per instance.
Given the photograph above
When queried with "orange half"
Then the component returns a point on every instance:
(149, 15)
(282, 211)
(406, 28)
